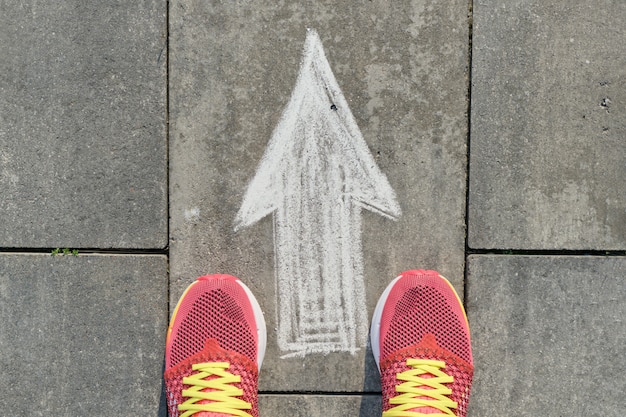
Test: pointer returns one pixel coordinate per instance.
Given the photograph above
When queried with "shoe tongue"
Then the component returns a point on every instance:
(213, 347)
(426, 410)
(209, 413)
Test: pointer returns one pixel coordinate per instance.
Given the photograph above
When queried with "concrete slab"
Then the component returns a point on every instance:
(548, 159)
(82, 335)
(403, 70)
(280, 405)
(83, 158)
(548, 335)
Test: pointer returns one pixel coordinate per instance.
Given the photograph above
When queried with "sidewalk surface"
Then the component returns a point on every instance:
(494, 152)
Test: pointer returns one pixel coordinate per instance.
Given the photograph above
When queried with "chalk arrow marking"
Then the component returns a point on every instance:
(314, 178)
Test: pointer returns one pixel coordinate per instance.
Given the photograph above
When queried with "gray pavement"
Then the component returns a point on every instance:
(82, 335)
(83, 159)
(548, 333)
(502, 161)
(548, 99)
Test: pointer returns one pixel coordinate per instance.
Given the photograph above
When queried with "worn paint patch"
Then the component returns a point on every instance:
(192, 215)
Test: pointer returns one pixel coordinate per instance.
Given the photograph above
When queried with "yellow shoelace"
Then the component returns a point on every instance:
(422, 392)
(224, 397)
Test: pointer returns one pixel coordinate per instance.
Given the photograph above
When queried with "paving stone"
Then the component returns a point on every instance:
(403, 70)
(280, 405)
(548, 123)
(82, 335)
(83, 124)
(548, 335)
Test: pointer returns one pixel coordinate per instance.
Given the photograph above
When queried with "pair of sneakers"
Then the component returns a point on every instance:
(419, 334)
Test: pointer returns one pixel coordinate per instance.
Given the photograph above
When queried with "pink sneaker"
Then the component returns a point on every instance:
(214, 349)
(421, 342)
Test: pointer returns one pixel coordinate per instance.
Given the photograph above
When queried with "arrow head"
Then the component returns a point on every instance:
(316, 133)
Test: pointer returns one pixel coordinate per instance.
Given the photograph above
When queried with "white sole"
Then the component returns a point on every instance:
(260, 323)
(376, 318)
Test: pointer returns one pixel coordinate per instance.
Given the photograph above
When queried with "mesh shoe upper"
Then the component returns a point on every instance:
(217, 320)
(424, 303)
(420, 316)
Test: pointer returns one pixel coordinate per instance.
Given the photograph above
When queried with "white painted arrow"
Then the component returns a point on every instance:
(315, 176)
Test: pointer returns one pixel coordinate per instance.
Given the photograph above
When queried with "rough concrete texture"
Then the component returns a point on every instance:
(320, 405)
(403, 69)
(82, 124)
(548, 335)
(82, 335)
(548, 160)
